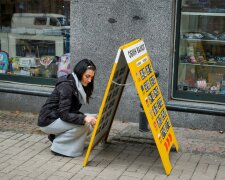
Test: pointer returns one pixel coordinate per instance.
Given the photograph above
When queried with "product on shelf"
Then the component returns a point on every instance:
(193, 35)
(4, 61)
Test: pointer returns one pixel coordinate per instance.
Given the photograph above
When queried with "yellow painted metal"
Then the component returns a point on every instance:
(90, 146)
(150, 96)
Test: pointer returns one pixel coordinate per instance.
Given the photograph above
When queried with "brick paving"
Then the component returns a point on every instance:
(130, 154)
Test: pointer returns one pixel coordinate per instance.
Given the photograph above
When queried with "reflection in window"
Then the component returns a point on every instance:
(34, 48)
(40, 21)
(54, 22)
(31, 32)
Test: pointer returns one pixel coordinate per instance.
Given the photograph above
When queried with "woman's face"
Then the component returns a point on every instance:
(87, 77)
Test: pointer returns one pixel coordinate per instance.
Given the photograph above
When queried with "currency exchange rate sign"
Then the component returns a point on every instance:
(133, 57)
(151, 98)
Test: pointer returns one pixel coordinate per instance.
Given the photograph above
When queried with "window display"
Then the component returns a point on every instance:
(34, 34)
(200, 53)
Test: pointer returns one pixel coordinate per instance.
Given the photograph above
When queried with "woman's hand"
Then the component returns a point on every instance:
(90, 120)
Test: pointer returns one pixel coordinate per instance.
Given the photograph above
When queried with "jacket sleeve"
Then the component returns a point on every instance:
(66, 94)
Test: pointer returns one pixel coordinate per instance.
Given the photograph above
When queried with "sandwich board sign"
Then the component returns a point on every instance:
(133, 58)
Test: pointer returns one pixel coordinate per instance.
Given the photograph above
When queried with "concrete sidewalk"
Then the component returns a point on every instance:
(130, 154)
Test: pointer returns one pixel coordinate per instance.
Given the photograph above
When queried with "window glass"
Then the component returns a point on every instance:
(54, 22)
(40, 21)
(200, 51)
(34, 38)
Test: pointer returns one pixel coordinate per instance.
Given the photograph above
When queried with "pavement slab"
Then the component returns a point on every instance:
(129, 154)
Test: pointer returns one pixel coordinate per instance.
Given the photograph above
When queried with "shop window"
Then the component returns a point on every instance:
(199, 73)
(34, 39)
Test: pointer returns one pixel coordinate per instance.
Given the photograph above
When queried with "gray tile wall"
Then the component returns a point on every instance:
(99, 28)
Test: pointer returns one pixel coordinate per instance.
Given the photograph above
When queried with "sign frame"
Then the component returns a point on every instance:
(133, 57)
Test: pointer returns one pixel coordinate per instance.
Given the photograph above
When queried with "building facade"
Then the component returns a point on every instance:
(185, 41)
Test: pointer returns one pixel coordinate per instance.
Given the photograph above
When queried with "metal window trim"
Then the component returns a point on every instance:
(26, 89)
(195, 107)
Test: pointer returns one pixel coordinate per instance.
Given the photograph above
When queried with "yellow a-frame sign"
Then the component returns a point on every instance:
(133, 57)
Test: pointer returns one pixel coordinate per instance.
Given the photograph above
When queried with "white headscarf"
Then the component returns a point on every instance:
(80, 90)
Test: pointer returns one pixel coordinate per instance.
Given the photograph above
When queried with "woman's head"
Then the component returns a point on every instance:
(85, 71)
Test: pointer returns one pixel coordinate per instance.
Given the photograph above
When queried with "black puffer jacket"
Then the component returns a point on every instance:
(63, 103)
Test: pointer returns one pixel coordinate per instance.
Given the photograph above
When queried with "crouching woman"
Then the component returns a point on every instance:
(60, 116)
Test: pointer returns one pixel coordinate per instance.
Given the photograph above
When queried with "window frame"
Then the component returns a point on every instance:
(184, 95)
(36, 80)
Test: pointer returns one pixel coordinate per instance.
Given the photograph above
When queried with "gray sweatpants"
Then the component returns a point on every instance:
(70, 138)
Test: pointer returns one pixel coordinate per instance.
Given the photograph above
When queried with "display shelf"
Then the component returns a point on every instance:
(202, 14)
(204, 40)
(206, 65)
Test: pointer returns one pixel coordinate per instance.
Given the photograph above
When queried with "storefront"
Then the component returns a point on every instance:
(33, 37)
(200, 52)
(185, 40)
